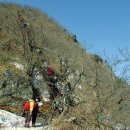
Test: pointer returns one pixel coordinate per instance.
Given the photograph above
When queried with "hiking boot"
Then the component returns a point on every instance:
(27, 125)
(33, 125)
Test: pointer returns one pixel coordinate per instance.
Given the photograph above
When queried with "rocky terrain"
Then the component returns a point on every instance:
(30, 43)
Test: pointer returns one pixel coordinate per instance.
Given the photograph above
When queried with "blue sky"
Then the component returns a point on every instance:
(103, 25)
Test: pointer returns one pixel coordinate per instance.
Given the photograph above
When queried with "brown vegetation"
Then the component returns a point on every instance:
(42, 41)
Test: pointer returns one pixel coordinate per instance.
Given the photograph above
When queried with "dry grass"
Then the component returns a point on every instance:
(54, 43)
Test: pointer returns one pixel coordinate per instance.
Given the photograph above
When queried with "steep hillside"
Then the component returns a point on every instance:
(31, 42)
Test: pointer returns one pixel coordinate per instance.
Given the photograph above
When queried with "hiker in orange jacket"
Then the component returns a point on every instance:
(30, 107)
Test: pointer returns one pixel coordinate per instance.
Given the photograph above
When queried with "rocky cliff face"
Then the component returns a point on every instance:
(31, 42)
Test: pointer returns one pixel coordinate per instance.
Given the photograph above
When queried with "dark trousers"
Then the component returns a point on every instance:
(34, 117)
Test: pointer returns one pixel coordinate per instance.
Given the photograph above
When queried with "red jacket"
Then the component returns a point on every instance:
(26, 106)
(49, 71)
(35, 108)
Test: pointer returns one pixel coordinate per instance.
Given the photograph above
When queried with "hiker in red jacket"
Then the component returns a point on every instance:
(31, 109)
(49, 71)
(27, 114)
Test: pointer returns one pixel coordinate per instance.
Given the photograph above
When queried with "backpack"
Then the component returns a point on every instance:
(31, 105)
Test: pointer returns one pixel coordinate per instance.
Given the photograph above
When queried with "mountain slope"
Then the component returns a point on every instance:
(30, 42)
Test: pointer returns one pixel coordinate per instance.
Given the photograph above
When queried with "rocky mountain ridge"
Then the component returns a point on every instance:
(30, 43)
